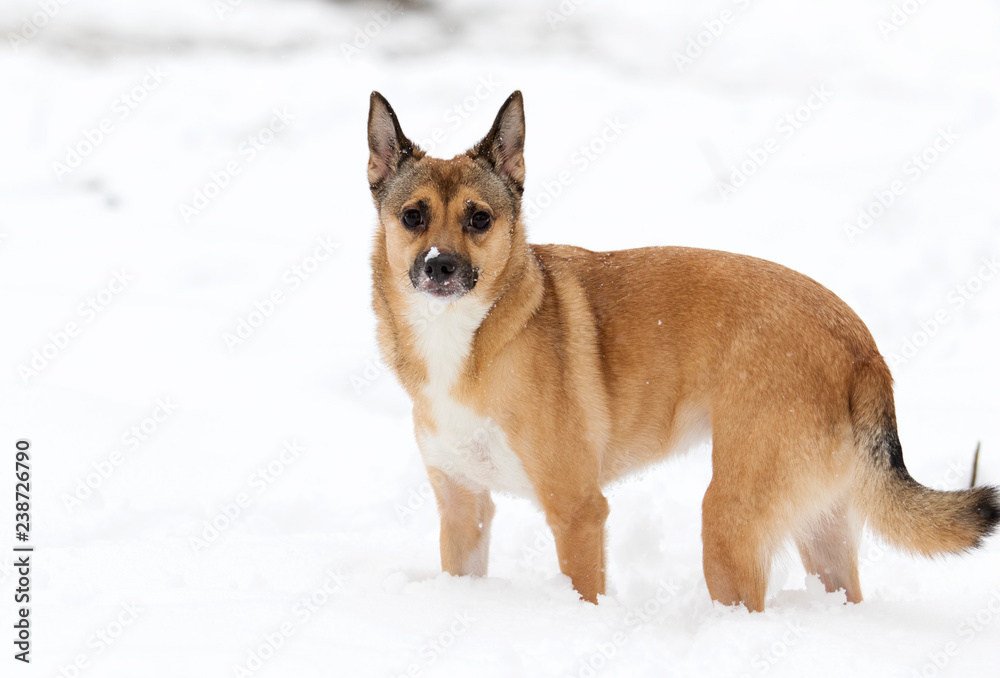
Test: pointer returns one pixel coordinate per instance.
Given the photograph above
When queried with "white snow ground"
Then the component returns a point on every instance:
(329, 550)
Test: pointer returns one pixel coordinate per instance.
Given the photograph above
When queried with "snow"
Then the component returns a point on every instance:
(196, 288)
(433, 252)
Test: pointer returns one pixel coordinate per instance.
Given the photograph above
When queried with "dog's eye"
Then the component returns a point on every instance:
(412, 219)
(480, 221)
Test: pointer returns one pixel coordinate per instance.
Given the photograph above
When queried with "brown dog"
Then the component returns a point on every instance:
(548, 371)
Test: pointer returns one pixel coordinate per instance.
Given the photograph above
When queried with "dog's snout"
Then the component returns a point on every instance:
(443, 274)
(440, 268)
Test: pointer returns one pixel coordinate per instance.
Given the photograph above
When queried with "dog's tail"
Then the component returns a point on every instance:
(908, 515)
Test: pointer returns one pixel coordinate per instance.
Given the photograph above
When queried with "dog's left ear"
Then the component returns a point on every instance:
(388, 147)
(503, 147)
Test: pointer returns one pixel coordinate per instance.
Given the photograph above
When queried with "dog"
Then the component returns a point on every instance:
(549, 371)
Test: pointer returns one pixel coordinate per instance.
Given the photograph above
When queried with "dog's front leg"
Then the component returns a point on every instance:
(466, 515)
(577, 522)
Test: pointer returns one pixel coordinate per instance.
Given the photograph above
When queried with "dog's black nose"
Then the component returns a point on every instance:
(440, 268)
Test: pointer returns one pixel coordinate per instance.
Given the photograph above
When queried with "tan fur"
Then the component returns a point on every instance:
(594, 365)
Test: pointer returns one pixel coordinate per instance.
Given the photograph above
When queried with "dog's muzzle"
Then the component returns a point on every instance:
(443, 274)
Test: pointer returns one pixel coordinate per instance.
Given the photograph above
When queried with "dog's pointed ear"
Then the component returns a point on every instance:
(503, 147)
(388, 147)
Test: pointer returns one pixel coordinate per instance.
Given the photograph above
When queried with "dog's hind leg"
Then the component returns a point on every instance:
(829, 548)
(746, 510)
(466, 515)
(735, 557)
(776, 469)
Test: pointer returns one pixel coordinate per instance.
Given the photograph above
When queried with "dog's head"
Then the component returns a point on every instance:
(449, 225)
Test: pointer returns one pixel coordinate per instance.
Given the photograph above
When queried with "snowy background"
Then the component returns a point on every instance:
(168, 168)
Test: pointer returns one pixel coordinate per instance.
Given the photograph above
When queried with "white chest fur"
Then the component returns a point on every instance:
(469, 448)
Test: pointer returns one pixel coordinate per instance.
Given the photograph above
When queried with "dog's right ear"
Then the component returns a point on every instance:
(388, 147)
